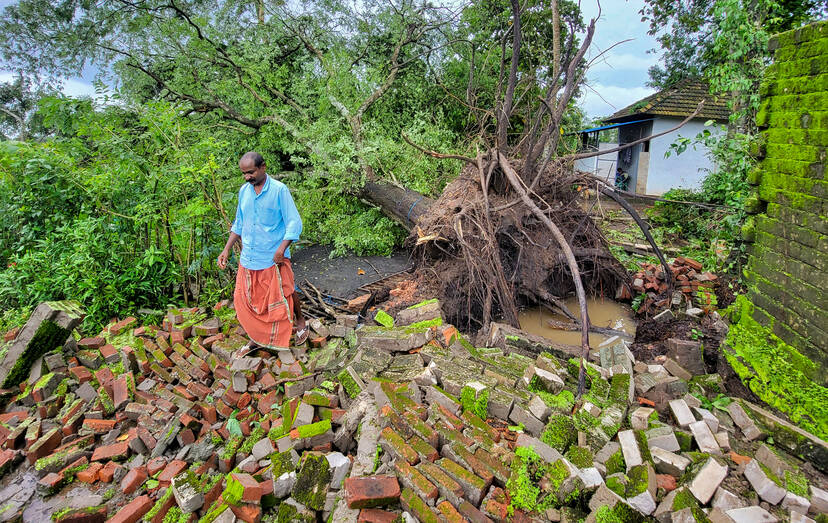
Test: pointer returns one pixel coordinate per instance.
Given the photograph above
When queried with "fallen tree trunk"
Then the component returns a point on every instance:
(398, 203)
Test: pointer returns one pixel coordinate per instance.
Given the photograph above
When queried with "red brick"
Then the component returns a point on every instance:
(146, 437)
(133, 511)
(11, 334)
(99, 426)
(177, 336)
(209, 413)
(109, 353)
(77, 463)
(186, 437)
(107, 472)
(336, 416)
(173, 469)
(90, 473)
(155, 465)
(44, 446)
(91, 343)
(51, 480)
(267, 381)
(371, 491)
(119, 450)
(133, 480)
(244, 400)
(375, 515)
(252, 488)
(81, 373)
(666, 481)
(120, 391)
(248, 513)
(104, 376)
(198, 390)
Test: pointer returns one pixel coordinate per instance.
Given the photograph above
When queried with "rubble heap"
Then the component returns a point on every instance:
(693, 288)
(403, 420)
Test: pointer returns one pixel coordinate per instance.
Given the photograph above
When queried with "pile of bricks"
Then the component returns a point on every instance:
(406, 418)
(692, 287)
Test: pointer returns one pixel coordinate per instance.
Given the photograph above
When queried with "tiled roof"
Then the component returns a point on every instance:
(680, 100)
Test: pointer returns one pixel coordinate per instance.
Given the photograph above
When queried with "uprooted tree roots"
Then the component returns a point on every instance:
(486, 252)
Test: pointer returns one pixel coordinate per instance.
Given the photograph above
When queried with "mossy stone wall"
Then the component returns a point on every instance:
(788, 269)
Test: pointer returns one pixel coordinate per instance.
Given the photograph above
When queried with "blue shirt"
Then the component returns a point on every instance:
(263, 221)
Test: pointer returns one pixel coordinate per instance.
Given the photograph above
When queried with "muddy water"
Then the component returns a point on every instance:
(602, 313)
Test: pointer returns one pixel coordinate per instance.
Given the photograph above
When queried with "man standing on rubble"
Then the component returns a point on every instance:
(267, 222)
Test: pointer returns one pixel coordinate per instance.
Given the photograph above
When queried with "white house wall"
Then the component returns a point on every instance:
(602, 166)
(686, 170)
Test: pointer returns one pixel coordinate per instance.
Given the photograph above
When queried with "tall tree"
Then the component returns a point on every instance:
(687, 30)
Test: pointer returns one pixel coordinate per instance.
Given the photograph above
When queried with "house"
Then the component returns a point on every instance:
(650, 172)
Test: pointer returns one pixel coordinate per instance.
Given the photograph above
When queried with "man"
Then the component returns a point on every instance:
(267, 222)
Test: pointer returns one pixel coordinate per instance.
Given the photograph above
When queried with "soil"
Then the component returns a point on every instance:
(341, 277)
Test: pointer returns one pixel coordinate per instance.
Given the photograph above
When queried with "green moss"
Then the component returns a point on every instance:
(111, 491)
(255, 436)
(684, 499)
(156, 508)
(560, 433)
(796, 482)
(384, 319)
(581, 457)
(620, 513)
(617, 484)
(44, 380)
(616, 463)
(176, 515)
(478, 405)
(314, 429)
(424, 303)
(775, 371)
(233, 491)
(685, 440)
(231, 447)
(561, 402)
(641, 439)
(215, 511)
(312, 481)
(527, 471)
(348, 383)
(619, 389)
(639, 477)
(423, 325)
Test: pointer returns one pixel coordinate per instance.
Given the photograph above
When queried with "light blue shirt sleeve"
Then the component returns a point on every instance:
(290, 215)
(237, 223)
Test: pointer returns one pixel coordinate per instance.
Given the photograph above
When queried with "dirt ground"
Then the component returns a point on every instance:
(341, 277)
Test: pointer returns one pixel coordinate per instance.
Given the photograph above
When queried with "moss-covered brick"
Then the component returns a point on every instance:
(415, 504)
(616, 463)
(312, 481)
(314, 429)
(560, 433)
(394, 444)
(581, 457)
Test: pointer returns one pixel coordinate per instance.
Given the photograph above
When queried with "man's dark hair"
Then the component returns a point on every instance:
(257, 158)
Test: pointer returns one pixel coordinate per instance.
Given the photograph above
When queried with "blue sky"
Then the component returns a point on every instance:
(614, 81)
(619, 77)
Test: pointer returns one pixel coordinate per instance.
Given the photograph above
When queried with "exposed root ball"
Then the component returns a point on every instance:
(486, 254)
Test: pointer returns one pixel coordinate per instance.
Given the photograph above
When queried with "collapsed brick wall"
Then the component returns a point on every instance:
(788, 268)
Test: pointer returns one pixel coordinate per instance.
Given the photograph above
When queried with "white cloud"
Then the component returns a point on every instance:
(602, 100)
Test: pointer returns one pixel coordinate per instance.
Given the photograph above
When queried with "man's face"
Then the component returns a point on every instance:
(253, 175)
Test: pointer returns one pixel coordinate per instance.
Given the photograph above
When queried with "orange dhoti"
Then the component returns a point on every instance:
(264, 304)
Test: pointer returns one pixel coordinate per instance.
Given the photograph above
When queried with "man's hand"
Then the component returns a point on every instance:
(279, 257)
(222, 259)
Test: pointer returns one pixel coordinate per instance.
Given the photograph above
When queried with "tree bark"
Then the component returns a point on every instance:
(401, 205)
